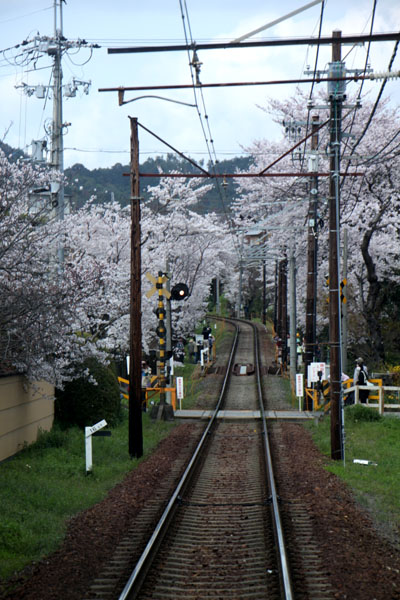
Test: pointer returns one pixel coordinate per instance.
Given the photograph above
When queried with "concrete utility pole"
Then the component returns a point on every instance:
(57, 142)
(312, 248)
(336, 95)
(135, 355)
(54, 47)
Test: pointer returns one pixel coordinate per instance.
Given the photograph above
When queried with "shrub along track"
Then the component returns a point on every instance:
(359, 563)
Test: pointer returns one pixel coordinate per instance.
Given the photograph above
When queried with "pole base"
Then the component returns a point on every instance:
(163, 412)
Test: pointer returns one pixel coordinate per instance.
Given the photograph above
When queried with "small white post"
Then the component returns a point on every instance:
(381, 407)
(88, 450)
(179, 390)
(89, 431)
(356, 395)
(202, 358)
(299, 389)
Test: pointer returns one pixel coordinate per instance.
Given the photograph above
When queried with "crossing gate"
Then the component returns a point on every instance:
(321, 398)
(150, 392)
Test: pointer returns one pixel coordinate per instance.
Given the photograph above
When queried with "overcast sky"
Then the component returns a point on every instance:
(99, 131)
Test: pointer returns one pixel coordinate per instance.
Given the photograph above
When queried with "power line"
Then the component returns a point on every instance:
(306, 41)
(195, 65)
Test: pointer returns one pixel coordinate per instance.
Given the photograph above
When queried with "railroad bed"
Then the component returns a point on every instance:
(221, 534)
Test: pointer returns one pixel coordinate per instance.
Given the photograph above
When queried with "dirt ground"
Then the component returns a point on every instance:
(361, 564)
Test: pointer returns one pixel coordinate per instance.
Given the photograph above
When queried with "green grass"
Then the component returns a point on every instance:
(46, 484)
(376, 487)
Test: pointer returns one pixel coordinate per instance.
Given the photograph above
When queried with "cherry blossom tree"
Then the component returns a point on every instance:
(369, 207)
(192, 248)
(54, 315)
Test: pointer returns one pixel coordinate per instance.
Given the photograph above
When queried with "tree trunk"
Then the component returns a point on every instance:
(372, 307)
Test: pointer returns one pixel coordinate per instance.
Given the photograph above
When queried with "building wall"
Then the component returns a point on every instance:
(24, 409)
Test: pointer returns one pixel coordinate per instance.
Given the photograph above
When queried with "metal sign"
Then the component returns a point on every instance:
(299, 385)
(94, 428)
(299, 388)
(313, 370)
(179, 390)
(156, 281)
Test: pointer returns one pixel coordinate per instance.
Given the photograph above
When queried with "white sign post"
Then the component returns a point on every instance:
(89, 431)
(299, 388)
(179, 390)
(203, 356)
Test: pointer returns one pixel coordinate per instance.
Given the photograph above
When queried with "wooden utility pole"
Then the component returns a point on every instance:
(284, 310)
(135, 330)
(264, 293)
(312, 248)
(337, 95)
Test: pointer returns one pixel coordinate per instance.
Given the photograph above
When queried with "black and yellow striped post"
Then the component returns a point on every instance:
(162, 335)
(163, 410)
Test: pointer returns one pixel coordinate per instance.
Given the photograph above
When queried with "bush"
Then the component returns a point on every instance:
(359, 412)
(84, 403)
(50, 439)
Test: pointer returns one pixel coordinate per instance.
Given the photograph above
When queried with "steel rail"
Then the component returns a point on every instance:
(143, 563)
(135, 580)
(285, 571)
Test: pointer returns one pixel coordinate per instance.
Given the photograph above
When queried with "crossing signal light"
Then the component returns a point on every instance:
(180, 291)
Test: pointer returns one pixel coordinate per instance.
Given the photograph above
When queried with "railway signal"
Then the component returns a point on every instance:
(180, 291)
(158, 287)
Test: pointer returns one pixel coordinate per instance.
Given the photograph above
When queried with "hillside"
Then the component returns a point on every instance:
(105, 183)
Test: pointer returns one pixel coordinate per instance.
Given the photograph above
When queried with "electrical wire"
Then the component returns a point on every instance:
(26, 15)
(209, 142)
(68, 55)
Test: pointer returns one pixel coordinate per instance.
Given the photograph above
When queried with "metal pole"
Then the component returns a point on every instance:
(264, 294)
(344, 304)
(161, 340)
(135, 356)
(240, 278)
(276, 298)
(311, 301)
(169, 331)
(279, 303)
(292, 293)
(217, 296)
(334, 290)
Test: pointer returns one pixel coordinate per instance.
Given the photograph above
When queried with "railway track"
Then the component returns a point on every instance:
(221, 538)
(220, 534)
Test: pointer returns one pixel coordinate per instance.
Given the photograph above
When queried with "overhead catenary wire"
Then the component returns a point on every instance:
(209, 142)
(349, 191)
